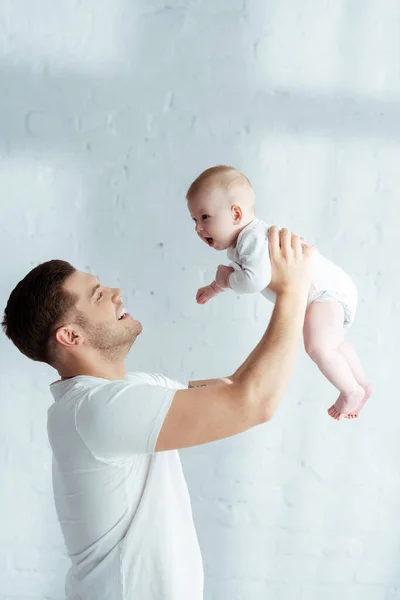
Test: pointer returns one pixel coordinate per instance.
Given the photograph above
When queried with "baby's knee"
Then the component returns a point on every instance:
(315, 349)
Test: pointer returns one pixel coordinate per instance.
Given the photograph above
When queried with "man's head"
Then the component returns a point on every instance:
(221, 203)
(64, 317)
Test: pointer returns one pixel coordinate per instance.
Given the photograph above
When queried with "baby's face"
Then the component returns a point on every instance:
(213, 219)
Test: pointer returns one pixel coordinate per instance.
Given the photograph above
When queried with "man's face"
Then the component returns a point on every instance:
(101, 315)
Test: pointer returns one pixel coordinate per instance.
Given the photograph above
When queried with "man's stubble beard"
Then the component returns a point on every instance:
(112, 343)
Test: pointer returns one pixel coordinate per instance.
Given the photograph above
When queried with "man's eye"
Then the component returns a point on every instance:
(100, 296)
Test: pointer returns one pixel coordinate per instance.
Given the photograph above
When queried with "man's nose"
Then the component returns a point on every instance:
(116, 294)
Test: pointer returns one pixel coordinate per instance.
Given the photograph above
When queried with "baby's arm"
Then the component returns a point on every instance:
(253, 274)
(220, 283)
(204, 294)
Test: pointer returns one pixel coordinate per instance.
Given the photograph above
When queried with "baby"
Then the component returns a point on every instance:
(221, 203)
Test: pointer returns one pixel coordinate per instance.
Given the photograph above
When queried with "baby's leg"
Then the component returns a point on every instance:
(355, 365)
(323, 336)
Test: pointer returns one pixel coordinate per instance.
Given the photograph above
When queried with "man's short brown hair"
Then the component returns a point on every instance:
(36, 307)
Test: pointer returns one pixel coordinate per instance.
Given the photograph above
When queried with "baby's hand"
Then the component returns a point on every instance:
(204, 294)
(222, 276)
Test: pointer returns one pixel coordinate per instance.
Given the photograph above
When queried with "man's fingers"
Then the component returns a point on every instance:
(273, 241)
(308, 251)
(295, 239)
(282, 242)
(285, 241)
(297, 246)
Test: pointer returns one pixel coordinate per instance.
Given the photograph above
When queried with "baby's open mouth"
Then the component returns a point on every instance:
(210, 241)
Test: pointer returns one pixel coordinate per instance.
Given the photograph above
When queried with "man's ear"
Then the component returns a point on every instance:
(236, 214)
(67, 335)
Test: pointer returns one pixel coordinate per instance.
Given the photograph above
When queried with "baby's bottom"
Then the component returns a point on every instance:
(337, 360)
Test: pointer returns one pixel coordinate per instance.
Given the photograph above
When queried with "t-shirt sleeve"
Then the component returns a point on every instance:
(253, 274)
(161, 380)
(119, 419)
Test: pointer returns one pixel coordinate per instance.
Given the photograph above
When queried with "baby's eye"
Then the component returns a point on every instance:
(204, 217)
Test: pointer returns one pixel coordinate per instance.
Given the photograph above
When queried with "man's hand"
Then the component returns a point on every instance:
(222, 276)
(291, 260)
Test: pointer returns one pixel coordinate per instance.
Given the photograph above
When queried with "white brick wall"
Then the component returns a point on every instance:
(108, 110)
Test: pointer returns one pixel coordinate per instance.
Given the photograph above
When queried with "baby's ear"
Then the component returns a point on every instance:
(236, 214)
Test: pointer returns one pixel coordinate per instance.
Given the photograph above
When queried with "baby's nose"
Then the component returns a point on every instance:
(198, 227)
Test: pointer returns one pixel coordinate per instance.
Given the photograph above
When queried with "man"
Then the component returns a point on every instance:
(120, 493)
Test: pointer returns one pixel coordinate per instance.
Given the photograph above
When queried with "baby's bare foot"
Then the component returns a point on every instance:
(367, 394)
(347, 404)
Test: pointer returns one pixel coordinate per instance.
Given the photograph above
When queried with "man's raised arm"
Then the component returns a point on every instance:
(211, 410)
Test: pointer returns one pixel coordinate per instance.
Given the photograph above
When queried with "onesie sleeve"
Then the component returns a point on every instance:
(253, 268)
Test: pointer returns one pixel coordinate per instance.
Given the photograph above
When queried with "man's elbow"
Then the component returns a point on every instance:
(262, 410)
(266, 415)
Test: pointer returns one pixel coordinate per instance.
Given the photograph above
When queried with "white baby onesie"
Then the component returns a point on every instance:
(250, 259)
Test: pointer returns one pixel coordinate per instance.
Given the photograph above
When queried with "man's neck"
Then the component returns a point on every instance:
(111, 371)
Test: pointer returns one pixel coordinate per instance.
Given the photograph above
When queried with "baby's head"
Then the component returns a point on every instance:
(221, 203)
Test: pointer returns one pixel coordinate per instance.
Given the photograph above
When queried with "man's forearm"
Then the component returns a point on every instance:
(265, 374)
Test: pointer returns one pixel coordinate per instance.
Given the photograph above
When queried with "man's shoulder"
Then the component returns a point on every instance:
(85, 390)
(157, 379)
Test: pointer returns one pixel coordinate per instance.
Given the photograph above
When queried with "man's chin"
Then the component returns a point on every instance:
(134, 324)
(134, 333)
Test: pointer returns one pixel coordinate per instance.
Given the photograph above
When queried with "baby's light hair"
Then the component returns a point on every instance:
(220, 176)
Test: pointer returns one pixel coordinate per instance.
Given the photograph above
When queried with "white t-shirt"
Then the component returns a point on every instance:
(250, 259)
(124, 510)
